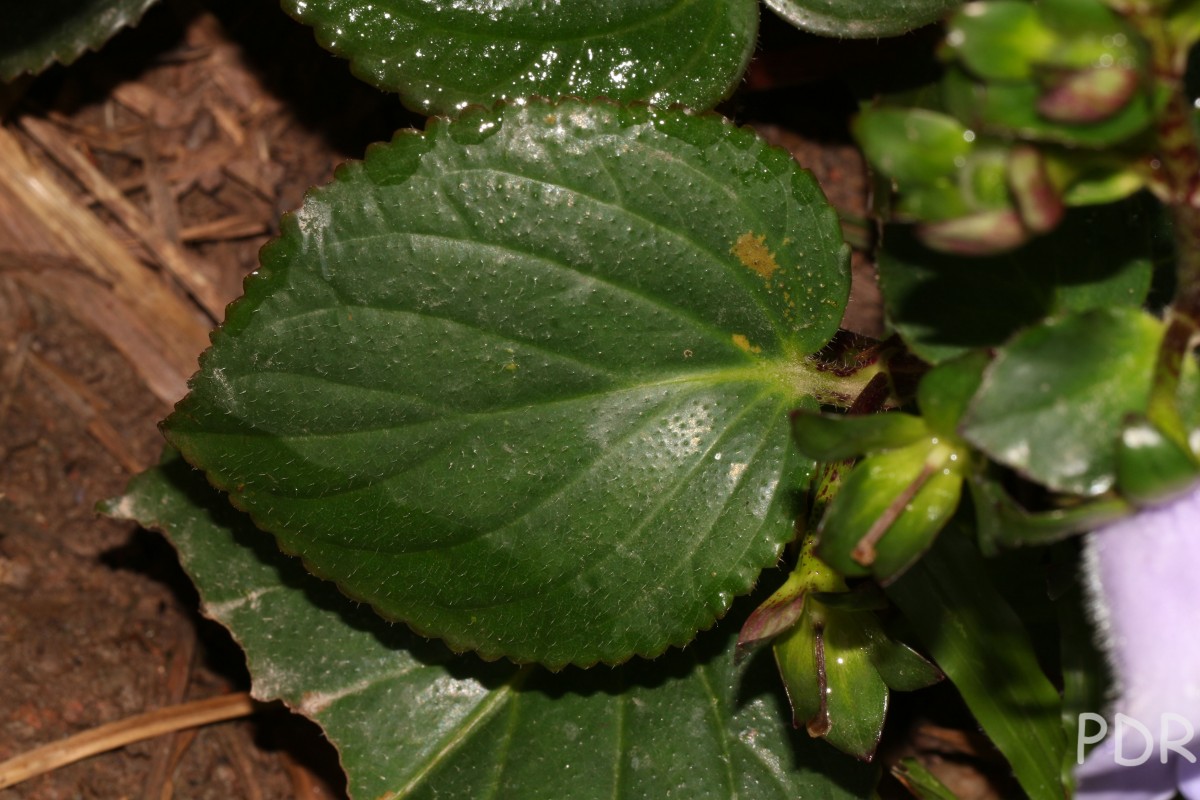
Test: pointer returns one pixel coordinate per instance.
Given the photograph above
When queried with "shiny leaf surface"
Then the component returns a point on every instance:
(890, 509)
(441, 57)
(1052, 402)
(829, 437)
(412, 720)
(35, 35)
(861, 19)
(523, 380)
(835, 692)
(1000, 40)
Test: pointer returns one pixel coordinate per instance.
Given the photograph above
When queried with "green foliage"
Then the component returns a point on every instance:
(1151, 466)
(500, 369)
(979, 642)
(838, 666)
(441, 57)
(410, 719)
(920, 782)
(891, 507)
(1054, 396)
(1060, 70)
(35, 35)
(861, 19)
(1098, 257)
(833, 437)
(525, 382)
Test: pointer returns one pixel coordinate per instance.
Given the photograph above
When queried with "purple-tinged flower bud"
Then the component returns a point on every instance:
(1089, 95)
(1144, 582)
(982, 234)
(1037, 198)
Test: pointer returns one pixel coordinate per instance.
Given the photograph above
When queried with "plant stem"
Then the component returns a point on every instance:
(1179, 162)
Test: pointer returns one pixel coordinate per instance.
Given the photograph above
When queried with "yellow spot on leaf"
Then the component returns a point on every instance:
(742, 342)
(752, 251)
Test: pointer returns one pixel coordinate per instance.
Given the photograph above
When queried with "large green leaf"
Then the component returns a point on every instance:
(1053, 401)
(411, 720)
(944, 306)
(861, 19)
(522, 381)
(443, 56)
(35, 35)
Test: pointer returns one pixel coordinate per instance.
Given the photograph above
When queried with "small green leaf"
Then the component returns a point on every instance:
(411, 720)
(902, 668)
(920, 782)
(834, 689)
(1151, 466)
(777, 613)
(890, 509)
(1092, 179)
(1068, 71)
(912, 145)
(1090, 34)
(945, 392)
(1012, 109)
(1000, 40)
(944, 306)
(838, 665)
(1183, 23)
(1002, 523)
(979, 642)
(784, 607)
(861, 19)
(834, 437)
(940, 200)
(1052, 401)
(857, 696)
(35, 35)
(441, 57)
(523, 380)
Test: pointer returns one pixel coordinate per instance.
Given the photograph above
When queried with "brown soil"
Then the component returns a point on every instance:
(137, 186)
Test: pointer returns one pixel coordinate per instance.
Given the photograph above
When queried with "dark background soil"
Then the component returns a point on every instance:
(211, 119)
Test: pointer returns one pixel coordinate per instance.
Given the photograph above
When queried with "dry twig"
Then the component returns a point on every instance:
(127, 731)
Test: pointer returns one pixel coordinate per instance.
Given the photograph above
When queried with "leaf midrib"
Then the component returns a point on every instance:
(772, 373)
(493, 702)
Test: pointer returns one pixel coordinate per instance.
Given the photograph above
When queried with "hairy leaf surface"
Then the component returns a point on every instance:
(523, 380)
